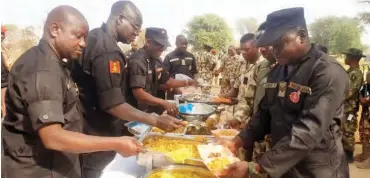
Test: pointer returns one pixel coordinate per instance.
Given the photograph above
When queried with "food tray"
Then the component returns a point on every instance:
(222, 171)
(206, 99)
(218, 135)
(202, 172)
(137, 128)
(198, 98)
(206, 150)
(162, 159)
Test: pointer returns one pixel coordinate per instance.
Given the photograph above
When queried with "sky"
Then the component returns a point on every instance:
(173, 15)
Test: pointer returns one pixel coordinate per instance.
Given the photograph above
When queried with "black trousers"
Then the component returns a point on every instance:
(93, 164)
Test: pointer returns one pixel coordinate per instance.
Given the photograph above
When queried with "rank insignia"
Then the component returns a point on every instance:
(294, 96)
(282, 89)
(114, 67)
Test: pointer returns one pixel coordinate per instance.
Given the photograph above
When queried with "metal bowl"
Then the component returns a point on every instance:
(196, 109)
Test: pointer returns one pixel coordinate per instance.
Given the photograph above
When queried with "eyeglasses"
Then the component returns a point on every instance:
(136, 28)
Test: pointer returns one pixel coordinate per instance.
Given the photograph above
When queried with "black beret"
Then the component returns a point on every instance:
(159, 35)
(278, 23)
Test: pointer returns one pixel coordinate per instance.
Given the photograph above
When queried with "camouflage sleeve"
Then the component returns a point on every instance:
(238, 74)
(356, 80)
(242, 111)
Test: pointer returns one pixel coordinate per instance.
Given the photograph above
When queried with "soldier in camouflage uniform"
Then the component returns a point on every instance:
(246, 81)
(364, 127)
(205, 64)
(351, 104)
(229, 64)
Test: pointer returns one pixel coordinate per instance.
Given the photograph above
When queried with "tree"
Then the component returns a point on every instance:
(209, 29)
(18, 40)
(246, 25)
(365, 16)
(338, 33)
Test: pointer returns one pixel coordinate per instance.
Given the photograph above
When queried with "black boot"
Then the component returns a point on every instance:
(349, 155)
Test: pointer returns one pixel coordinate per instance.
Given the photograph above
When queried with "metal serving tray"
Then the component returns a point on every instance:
(160, 160)
(202, 171)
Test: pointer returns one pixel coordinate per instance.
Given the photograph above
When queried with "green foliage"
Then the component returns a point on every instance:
(365, 16)
(209, 29)
(337, 33)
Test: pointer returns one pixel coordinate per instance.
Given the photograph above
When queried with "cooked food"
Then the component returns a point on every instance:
(180, 155)
(197, 129)
(158, 130)
(221, 100)
(225, 132)
(176, 146)
(180, 174)
(218, 164)
(214, 155)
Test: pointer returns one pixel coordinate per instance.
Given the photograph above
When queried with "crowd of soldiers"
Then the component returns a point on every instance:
(294, 101)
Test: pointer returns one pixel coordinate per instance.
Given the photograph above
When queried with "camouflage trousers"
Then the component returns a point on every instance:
(364, 129)
(225, 85)
(349, 126)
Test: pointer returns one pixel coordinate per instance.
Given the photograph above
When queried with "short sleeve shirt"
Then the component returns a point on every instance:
(40, 92)
(101, 76)
(146, 73)
(180, 63)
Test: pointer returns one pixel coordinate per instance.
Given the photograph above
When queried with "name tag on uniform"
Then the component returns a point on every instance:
(301, 88)
(245, 80)
(189, 58)
(270, 85)
(183, 62)
(150, 71)
(173, 60)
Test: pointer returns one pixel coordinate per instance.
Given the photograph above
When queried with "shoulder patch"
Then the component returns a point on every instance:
(114, 67)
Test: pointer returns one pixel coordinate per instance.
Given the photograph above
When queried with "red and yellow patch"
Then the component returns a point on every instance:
(114, 67)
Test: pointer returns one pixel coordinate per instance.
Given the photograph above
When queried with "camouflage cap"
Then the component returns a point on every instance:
(354, 52)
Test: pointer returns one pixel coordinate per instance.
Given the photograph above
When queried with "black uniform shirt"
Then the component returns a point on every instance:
(300, 109)
(40, 92)
(100, 75)
(180, 63)
(148, 74)
(4, 73)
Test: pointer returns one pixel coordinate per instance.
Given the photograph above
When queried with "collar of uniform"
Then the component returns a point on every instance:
(311, 54)
(143, 50)
(179, 53)
(105, 30)
(50, 53)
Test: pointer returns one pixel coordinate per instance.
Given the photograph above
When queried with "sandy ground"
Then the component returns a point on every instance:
(354, 171)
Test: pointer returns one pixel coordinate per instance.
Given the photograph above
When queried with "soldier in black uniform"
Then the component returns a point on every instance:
(101, 77)
(304, 96)
(148, 76)
(40, 132)
(180, 61)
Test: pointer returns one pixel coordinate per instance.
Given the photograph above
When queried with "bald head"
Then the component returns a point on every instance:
(125, 21)
(64, 15)
(65, 30)
(181, 43)
(129, 10)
